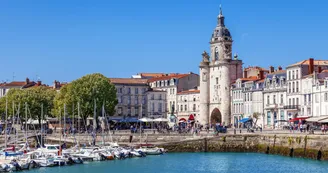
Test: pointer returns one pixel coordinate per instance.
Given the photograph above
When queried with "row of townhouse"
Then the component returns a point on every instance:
(299, 92)
(155, 95)
(5, 87)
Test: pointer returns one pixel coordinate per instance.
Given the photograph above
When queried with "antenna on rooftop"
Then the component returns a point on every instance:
(14, 76)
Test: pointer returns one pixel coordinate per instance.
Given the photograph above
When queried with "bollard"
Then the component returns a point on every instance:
(234, 131)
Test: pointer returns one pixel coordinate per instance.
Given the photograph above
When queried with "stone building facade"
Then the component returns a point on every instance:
(173, 84)
(132, 97)
(156, 104)
(188, 105)
(217, 71)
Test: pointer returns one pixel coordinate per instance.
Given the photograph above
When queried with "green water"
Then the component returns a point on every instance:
(198, 162)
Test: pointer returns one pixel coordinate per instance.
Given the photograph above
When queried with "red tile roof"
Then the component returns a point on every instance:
(189, 92)
(315, 62)
(256, 67)
(251, 78)
(128, 81)
(15, 83)
(155, 74)
(173, 76)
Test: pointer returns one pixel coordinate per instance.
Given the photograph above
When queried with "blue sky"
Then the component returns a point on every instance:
(66, 39)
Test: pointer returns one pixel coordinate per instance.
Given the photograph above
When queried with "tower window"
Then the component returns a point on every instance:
(217, 80)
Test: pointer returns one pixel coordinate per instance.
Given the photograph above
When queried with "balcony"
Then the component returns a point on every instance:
(292, 107)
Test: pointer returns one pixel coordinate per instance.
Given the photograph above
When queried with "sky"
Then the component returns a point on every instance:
(66, 39)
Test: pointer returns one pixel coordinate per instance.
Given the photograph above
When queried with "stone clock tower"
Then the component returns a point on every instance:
(217, 71)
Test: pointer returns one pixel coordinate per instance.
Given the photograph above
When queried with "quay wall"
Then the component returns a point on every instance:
(302, 146)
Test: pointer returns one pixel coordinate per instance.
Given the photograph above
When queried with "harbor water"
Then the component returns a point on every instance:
(197, 162)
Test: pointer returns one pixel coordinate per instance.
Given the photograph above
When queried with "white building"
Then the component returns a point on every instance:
(217, 71)
(299, 88)
(275, 98)
(156, 104)
(173, 84)
(188, 105)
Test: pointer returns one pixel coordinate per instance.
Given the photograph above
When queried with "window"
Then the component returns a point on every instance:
(160, 97)
(326, 97)
(217, 80)
(269, 118)
(136, 111)
(296, 74)
(326, 84)
(194, 108)
(181, 107)
(144, 100)
(293, 75)
(281, 98)
(129, 99)
(290, 101)
(296, 101)
(289, 87)
(289, 76)
(309, 97)
(268, 100)
(136, 100)
(152, 97)
(185, 107)
(293, 86)
(160, 106)
(129, 90)
(293, 101)
(282, 115)
(296, 86)
(153, 107)
(274, 99)
(136, 91)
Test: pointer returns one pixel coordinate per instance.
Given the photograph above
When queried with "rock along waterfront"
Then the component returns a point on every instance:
(302, 146)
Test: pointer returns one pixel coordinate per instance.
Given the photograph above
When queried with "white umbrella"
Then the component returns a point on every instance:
(146, 120)
(161, 120)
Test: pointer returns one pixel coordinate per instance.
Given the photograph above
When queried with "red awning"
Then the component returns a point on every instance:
(191, 117)
(182, 119)
(298, 119)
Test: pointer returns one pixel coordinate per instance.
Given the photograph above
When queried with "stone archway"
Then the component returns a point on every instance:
(216, 116)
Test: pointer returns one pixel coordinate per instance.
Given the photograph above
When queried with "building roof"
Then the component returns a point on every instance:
(151, 75)
(278, 74)
(15, 83)
(256, 67)
(128, 81)
(307, 62)
(189, 92)
(251, 78)
(168, 77)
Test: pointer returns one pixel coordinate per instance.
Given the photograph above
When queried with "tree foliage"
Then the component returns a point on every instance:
(35, 97)
(84, 91)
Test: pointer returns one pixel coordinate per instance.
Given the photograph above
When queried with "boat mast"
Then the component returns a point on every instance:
(41, 126)
(140, 124)
(95, 122)
(18, 118)
(102, 131)
(78, 115)
(73, 123)
(64, 123)
(6, 122)
(61, 128)
(13, 118)
(26, 122)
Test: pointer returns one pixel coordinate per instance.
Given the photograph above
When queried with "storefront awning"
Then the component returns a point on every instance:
(244, 120)
(316, 119)
(182, 120)
(298, 119)
(323, 121)
(191, 117)
(129, 120)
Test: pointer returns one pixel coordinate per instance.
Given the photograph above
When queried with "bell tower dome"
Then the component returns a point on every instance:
(221, 40)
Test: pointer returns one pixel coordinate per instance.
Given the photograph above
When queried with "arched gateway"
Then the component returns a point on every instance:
(216, 116)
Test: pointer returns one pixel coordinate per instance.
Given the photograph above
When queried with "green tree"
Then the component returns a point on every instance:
(84, 91)
(256, 116)
(35, 97)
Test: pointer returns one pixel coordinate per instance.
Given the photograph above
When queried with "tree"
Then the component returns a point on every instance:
(84, 91)
(35, 97)
(256, 116)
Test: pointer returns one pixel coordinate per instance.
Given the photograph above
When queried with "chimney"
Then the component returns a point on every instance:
(55, 84)
(261, 74)
(311, 66)
(27, 81)
(245, 73)
(279, 68)
(39, 83)
(271, 69)
(319, 69)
